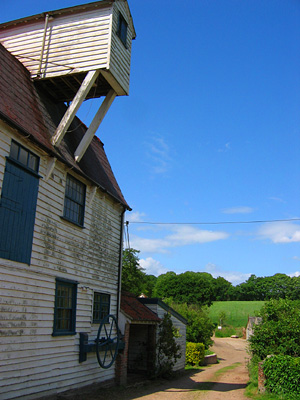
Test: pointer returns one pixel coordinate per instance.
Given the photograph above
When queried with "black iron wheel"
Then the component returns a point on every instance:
(107, 341)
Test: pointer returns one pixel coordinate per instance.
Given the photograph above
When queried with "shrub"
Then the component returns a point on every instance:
(168, 349)
(278, 333)
(283, 375)
(194, 354)
(200, 328)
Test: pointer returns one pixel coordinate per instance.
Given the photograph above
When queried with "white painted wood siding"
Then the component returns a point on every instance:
(120, 57)
(75, 43)
(33, 362)
(180, 364)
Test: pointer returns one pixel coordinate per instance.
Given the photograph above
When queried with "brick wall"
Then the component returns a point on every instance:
(122, 360)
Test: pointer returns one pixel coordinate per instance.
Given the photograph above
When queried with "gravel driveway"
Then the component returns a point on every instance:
(226, 380)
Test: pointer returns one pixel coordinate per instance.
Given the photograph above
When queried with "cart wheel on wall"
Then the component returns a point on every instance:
(107, 341)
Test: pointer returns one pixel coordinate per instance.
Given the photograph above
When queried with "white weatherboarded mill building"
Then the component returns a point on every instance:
(61, 209)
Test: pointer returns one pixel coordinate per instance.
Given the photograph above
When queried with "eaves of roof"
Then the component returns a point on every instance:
(136, 311)
(65, 11)
(57, 13)
(163, 305)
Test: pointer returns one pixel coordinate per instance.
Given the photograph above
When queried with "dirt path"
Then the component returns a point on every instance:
(226, 380)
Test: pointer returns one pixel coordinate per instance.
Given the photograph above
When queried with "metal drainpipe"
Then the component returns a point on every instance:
(43, 45)
(120, 264)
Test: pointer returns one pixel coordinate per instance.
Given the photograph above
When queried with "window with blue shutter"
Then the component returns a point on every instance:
(18, 204)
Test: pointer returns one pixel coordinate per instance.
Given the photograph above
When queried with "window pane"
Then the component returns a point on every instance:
(65, 304)
(101, 306)
(74, 200)
(123, 32)
(33, 162)
(14, 150)
(122, 29)
(23, 156)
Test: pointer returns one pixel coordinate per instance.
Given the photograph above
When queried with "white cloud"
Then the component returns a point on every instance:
(149, 245)
(277, 199)
(238, 210)
(185, 235)
(152, 267)
(226, 148)
(280, 232)
(295, 274)
(159, 154)
(182, 235)
(135, 216)
(231, 276)
(296, 258)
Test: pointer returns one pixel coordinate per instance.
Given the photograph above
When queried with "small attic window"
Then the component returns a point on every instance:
(122, 29)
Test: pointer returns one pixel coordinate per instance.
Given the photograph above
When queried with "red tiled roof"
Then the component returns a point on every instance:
(134, 309)
(36, 116)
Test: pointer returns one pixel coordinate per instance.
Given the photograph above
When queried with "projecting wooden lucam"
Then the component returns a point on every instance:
(60, 47)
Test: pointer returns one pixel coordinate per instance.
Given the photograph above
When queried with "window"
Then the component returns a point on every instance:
(24, 156)
(65, 307)
(18, 204)
(74, 201)
(122, 29)
(101, 306)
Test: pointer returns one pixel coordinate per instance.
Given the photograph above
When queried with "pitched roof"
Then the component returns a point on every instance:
(135, 310)
(165, 306)
(35, 115)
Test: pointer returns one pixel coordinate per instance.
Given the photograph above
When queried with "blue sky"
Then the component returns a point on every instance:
(210, 133)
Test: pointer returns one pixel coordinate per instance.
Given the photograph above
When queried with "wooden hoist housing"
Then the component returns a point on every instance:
(75, 54)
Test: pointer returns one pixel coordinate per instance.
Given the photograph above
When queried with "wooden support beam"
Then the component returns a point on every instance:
(74, 106)
(50, 167)
(87, 138)
(93, 193)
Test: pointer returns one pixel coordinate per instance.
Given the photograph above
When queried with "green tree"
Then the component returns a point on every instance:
(168, 351)
(278, 286)
(133, 276)
(221, 289)
(278, 333)
(295, 288)
(149, 285)
(189, 287)
(222, 318)
(199, 328)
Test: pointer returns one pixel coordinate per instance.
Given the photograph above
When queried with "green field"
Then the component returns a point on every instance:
(236, 312)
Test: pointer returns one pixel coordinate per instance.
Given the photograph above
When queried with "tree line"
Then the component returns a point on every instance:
(202, 288)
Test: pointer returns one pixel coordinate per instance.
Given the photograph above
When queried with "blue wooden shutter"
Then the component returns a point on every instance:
(17, 212)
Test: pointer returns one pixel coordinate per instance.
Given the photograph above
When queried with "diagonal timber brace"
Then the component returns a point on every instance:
(87, 138)
(67, 119)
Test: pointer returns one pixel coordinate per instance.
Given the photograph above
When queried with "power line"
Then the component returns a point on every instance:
(213, 223)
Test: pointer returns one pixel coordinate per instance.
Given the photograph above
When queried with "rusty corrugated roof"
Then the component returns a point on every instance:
(134, 309)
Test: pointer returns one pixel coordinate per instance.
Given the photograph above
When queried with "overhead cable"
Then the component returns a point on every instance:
(213, 223)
